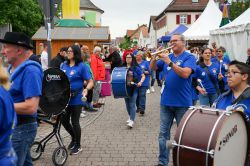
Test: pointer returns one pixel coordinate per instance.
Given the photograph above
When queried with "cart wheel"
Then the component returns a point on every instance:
(36, 150)
(60, 156)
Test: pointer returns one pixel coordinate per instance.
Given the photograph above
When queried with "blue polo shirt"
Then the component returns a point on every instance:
(26, 82)
(77, 74)
(137, 72)
(144, 65)
(7, 120)
(177, 90)
(225, 101)
(205, 79)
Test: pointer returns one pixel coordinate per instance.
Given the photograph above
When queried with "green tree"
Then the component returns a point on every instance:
(127, 42)
(238, 7)
(24, 15)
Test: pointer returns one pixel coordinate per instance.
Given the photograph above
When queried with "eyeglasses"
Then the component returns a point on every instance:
(174, 41)
(232, 73)
(69, 51)
(128, 57)
(218, 51)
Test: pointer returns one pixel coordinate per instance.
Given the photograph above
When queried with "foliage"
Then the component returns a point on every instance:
(127, 42)
(238, 7)
(24, 15)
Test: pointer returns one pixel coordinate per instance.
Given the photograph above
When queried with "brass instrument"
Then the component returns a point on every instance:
(155, 54)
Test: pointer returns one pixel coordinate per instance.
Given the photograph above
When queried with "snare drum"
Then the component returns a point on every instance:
(121, 79)
(209, 137)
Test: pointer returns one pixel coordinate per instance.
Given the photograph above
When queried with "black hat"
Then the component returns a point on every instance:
(17, 38)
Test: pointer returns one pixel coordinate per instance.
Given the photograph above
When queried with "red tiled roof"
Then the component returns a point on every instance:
(184, 6)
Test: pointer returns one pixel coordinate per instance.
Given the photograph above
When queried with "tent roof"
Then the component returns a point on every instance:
(241, 23)
(180, 29)
(76, 33)
(209, 19)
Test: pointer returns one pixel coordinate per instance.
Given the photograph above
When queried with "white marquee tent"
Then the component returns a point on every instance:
(235, 36)
(208, 20)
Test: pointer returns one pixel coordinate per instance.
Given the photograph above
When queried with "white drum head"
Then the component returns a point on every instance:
(231, 146)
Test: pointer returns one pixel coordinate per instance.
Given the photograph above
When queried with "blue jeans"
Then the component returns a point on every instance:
(131, 104)
(207, 99)
(141, 98)
(167, 115)
(22, 139)
(8, 158)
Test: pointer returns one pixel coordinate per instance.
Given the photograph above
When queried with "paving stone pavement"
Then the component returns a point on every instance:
(107, 141)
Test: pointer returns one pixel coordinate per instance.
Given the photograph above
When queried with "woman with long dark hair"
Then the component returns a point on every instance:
(207, 76)
(77, 72)
(138, 78)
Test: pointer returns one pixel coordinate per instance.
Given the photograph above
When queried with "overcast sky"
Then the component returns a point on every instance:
(121, 15)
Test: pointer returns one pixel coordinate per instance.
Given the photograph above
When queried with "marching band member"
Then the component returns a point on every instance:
(138, 77)
(77, 72)
(141, 98)
(25, 90)
(7, 121)
(176, 94)
(207, 76)
(238, 97)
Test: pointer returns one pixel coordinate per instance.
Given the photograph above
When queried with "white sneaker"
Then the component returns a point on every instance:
(148, 91)
(152, 89)
(83, 115)
(128, 120)
(130, 124)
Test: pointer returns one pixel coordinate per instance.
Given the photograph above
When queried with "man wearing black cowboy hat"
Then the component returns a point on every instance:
(26, 87)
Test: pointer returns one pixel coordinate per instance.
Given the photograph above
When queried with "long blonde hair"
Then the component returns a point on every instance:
(4, 77)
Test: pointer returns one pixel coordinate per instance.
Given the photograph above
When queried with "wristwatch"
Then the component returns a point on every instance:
(171, 64)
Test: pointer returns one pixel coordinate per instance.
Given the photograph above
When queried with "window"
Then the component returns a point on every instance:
(195, 1)
(183, 19)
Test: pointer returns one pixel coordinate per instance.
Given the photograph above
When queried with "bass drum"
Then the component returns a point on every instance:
(121, 81)
(221, 137)
(55, 92)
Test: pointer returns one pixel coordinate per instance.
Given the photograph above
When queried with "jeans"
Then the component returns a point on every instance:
(9, 158)
(74, 129)
(153, 76)
(22, 139)
(141, 98)
(207, 99)
(167, 115)
(131, 104)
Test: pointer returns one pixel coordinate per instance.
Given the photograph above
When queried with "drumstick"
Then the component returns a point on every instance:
(199, 80)
(221, 61)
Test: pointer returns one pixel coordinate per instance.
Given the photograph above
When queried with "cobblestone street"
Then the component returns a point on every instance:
(106, 140)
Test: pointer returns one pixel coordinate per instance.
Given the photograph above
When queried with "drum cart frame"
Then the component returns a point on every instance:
(53, 102)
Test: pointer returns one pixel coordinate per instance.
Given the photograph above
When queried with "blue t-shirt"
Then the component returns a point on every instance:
(177, 91)
(7, 120)
(227, 100)
(26, 82)
(205, 79)
(145, 67)
(77, 74)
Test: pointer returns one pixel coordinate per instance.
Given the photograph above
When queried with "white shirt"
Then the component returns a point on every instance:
(44, 60)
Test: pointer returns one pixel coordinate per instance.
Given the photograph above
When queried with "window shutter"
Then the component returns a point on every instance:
(197, 16)
(189, 19)
(177, 19)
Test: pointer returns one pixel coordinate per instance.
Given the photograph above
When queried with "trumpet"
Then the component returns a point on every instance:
(155, 54)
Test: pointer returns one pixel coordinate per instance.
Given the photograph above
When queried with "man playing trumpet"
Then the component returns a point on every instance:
(176, 93)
